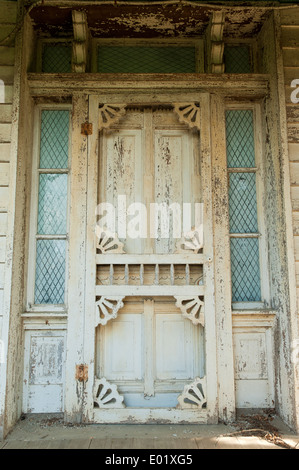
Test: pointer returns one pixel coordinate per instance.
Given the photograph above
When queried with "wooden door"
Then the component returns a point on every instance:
(150, 351)
(149, 355)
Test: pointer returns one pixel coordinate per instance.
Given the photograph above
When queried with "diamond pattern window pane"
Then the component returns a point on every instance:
(245, 269)
(237, 59)
(50, 271)
(240, 138)
(129, 59)
(54, 139)
(57, 58)
(52, 204)
(242, 203)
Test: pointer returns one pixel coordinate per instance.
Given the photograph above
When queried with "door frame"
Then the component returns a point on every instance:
(89, 413)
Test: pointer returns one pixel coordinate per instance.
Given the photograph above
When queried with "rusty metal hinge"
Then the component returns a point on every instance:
(81, 372)
(86, 128)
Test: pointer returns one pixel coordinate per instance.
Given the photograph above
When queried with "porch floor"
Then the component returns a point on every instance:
(250, 431)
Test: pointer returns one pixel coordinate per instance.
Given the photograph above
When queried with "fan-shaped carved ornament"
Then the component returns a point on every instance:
(110, 114)
(191, 308)
(107, 309)
(188, 113)
(194, 394)
(108, 242)
(105, 395)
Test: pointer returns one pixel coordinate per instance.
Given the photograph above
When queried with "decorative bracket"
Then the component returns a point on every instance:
(107, 309)
(110, 114)
(191, 241)
(108, 242)
(215, 44)
(194, 394)
(105, 394)
(191, 308)
(188, 113)
(80, 43)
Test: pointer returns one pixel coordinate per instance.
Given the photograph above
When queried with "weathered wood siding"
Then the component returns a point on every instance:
(8, 14)
(290, 50)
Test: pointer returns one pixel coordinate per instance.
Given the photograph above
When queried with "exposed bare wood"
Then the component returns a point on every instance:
(5, 113)
(290, 36)
(290, 56)
(7, 55)
(8, 13)
(289, 16)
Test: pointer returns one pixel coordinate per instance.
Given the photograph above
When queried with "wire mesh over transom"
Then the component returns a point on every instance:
(237, 59)
(57, 58)
(141, 59)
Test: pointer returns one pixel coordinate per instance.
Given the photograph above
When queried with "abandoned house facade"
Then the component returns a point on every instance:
(149, 210)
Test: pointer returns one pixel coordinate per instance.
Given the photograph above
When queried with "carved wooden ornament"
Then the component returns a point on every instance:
(107, 309)
(188, 113)
(106, 395)
(108, 242)
(191, 308)
(194, 394)
(192, 241)
(110, 114)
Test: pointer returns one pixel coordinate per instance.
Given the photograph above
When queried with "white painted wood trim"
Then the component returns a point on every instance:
(210, 331)
(186, 258)
(77, 255)
(90, 266)
(225, 359)
(151, 290)
(150, 416)
(149, 389)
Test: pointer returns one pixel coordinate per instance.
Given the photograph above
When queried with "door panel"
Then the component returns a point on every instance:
(172, 160)
(174, 347)
(122, 173)
(122, 344)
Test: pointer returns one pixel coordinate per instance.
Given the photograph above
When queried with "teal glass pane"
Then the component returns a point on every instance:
(237, 59)
(54, 139)
(52, 204)
(240, 138)
(245, 270)
(50, 272)
(139, 59)
(242, 203)
(57, 58)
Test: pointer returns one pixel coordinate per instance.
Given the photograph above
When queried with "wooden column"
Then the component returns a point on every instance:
(226, 394)
(209, 254)
(90, 287)
(74, 387)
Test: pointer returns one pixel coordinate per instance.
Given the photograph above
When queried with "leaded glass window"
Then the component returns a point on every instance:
(243, 207)
(51, 220)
